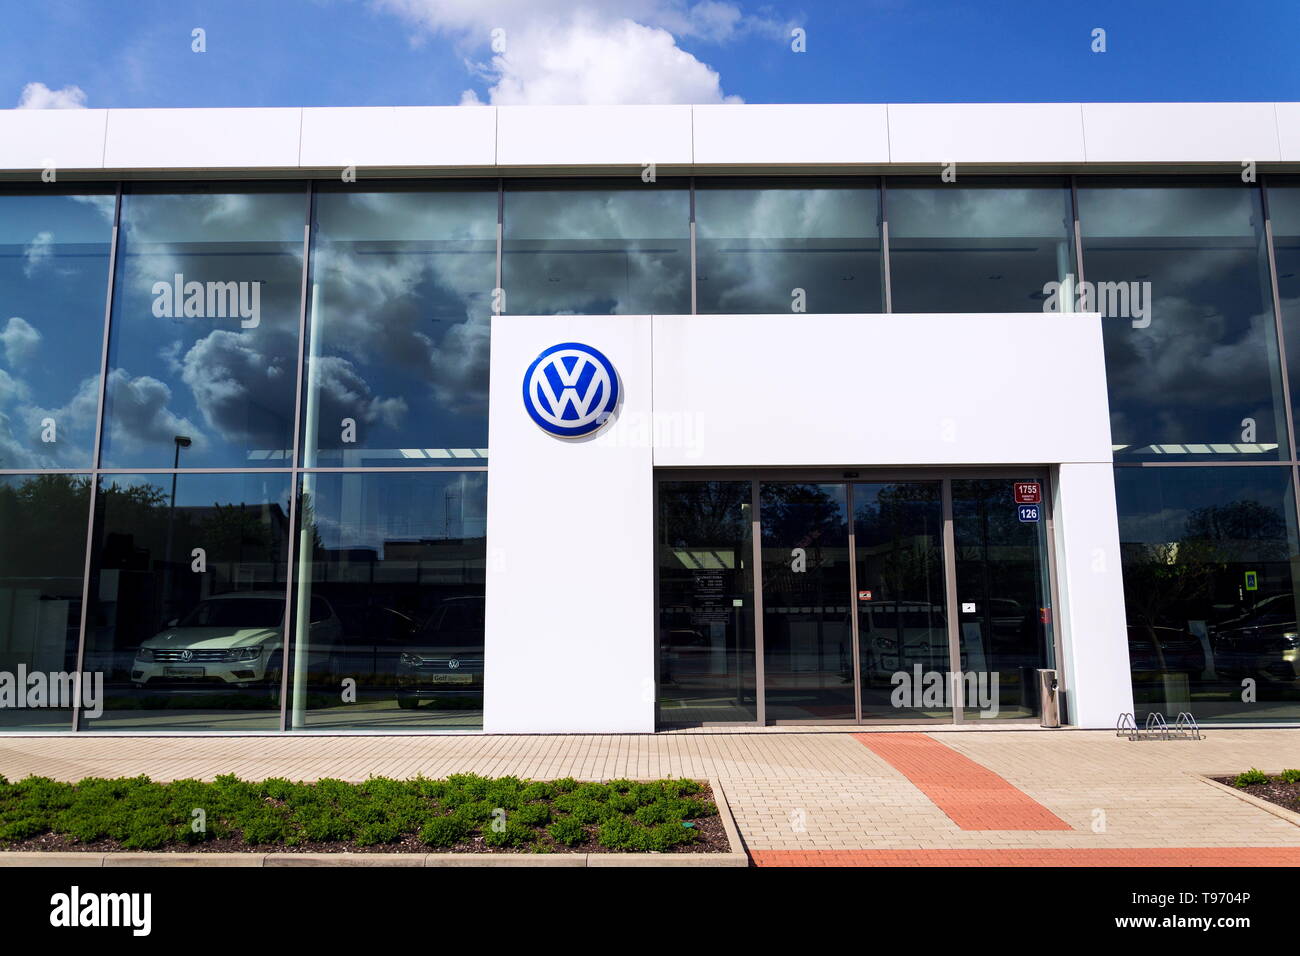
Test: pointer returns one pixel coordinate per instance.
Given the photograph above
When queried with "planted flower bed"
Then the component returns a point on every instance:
(1283, 789)
(463, 813)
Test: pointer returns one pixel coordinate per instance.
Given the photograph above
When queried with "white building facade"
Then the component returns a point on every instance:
(618, 419)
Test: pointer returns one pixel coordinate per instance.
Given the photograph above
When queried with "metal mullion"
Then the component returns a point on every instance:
(694, 291)
(398, 469)
(853, 603)
(1281, 332)
(1050, 481)
(756, 547)
(501, 218)
(884, 248)
(282, 470)
(1078, 230)
(95, 457)
(294, 484)
(950, 586)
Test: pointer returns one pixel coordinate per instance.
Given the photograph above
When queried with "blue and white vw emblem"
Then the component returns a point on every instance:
(570, 390)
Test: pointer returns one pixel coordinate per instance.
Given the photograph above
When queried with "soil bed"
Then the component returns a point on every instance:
(565, 816)
(1276, 791)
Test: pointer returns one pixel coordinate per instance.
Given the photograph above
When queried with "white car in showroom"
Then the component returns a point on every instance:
(231, 639)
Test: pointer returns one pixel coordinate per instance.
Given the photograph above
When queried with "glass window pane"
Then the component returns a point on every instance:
(1284, 211)
(42, 564)
(757, 242)
(1193, 373)
(391, 572)
(901, 599)
(54, 249)
(204, 337)
(596, 249)
(807, 630)
(1210, 590)
(187, 600)
(706, 603)
(1002, 595)
(402, 281)
(996, 246)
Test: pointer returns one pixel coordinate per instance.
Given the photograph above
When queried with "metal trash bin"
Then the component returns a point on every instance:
(1049, 702)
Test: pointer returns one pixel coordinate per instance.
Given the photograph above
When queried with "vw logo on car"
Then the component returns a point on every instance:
(570, 390)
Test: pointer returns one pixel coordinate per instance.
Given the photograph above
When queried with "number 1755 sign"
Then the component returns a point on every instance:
(1028, 492)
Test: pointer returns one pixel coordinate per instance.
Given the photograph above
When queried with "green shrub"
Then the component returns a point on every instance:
(443, 831)
(513, 834)
(668, 810)
(622, 802)
(375, 833)
(1291, 776)
(264, 827)
(620, 833)
(568, 831)
(21, 829)
(681, 788)
(564, 785)
(582, 810)
(532, 814)
(277, 788)
(592, 791)
(469, 785)
(663, 837)
(472, 814)
(537, 791)
(325, 827)
(1250, 777)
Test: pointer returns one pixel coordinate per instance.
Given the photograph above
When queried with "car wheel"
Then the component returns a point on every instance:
(408, 703)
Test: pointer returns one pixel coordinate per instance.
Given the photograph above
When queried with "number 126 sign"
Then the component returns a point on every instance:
(1028, 492)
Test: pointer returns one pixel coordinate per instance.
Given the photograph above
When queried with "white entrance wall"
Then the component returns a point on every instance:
(570, 643)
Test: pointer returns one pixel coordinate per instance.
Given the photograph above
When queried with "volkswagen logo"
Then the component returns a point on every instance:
(453, 663)
(570, 390)
(187, 655)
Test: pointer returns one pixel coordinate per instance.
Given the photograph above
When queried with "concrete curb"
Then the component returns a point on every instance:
(1288, 815)
(736, 857)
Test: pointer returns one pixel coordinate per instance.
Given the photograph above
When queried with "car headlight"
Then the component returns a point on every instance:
(144, 654)
(244, 654)
(410, 660)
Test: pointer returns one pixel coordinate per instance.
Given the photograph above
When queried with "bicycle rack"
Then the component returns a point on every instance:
(1157, 728)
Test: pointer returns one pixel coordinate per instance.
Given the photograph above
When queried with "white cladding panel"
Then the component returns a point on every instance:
(570, 535)
(881, 389)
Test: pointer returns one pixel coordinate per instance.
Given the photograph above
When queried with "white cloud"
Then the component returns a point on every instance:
(615, 51)
(20, 340)
(38, 96)
(37, 252)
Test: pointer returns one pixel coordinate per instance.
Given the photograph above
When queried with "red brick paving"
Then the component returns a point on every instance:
(973, 797)
(1110, 856)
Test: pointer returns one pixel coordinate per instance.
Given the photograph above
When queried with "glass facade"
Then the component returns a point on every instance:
(263, 407)
(596, 248)
(400, 305)
(1180, 274)
(768, 246)
(995, 245)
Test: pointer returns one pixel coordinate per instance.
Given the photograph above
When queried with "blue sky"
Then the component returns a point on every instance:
(137, 53)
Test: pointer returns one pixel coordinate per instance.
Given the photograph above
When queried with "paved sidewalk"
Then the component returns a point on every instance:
(798, 796)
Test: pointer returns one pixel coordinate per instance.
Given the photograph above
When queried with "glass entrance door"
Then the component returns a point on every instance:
(1003, 594)
(901, 600)
(807, 631)
(921, 598)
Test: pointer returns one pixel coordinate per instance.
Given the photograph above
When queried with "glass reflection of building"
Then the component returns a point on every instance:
(226, 501)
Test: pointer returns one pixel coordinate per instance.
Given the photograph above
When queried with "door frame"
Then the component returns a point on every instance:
(848, 476)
